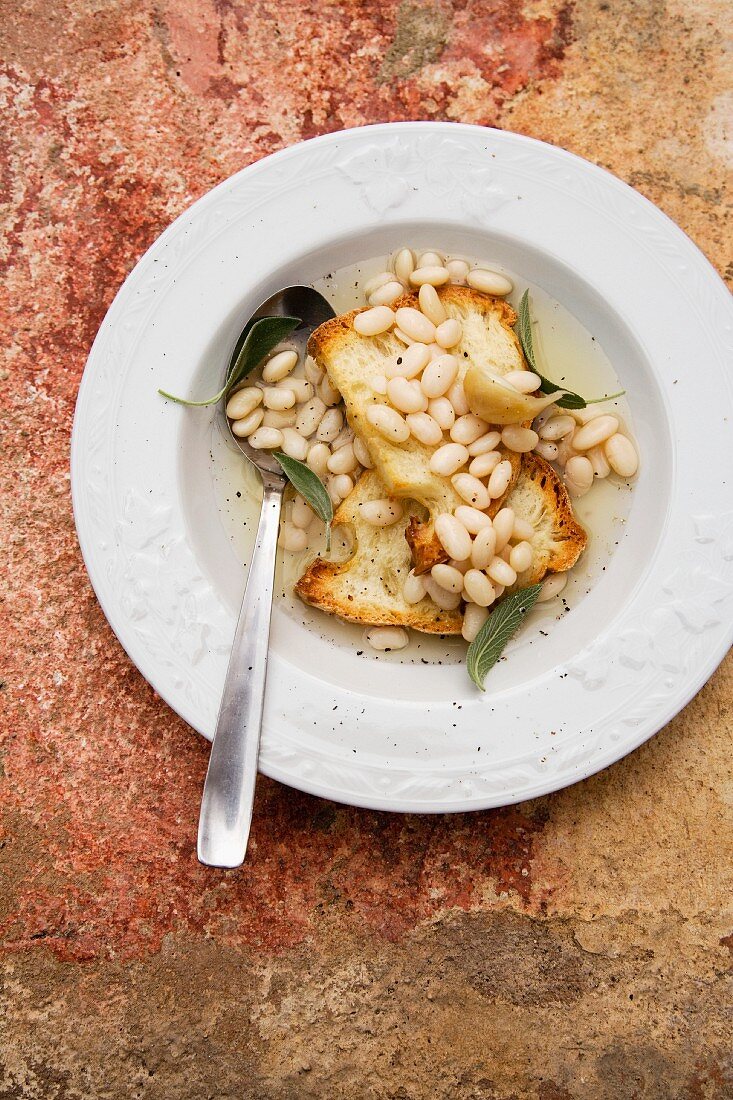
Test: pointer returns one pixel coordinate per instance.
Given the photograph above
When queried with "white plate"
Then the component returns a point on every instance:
(370, 732)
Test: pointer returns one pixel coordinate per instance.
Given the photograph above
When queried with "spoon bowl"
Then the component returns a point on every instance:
(312, 309)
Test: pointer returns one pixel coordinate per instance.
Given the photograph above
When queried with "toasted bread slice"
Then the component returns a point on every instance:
(540, 497)
(352, 360)
(368, 587)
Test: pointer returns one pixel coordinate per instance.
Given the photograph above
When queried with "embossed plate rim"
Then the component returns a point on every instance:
(376, 173)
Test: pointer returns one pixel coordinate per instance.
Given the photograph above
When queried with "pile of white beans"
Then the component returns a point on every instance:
(291, 406)
(294, 407)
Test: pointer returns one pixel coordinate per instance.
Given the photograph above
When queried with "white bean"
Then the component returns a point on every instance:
(414, 588)
(277, 399)
(439, 375)
(300, 387)
(302, 514)
(312, 371)
(503, 527)
(471, 518)
(522, 530)
(377, 281)
(310, 416)
(590, 412)
(362, 453)
(519, 439)
(544, 416)
(381, 513)
(621, 454)
(373, 322)
(448, 577)
(599, 462)
(406, 396)
(415, 325)
(431, 305)
(401, 336)
(385, 639)
(484, 444)
(345, 436)
(483, 465)
(330, 425)
(565, 449)
(318, 456)
(248, 424)
(457, 397)
(294, 444)
(484, 548)
(409, 363)
(474, 618)
(429, 259)
(453, 536)
(386, 295)
(501, 572)
(378, 384)
(479, 588)
(279, 366)
(275, 419)
(556, 427)
(526, 381)
(578, 475)
(424, 428)
(343, 461)
(500, 478)
(473, 491)
(292, 538)
(448, 458)
(266, 439)
(331, 488)
(388, 423)
(343, 484)
(520, 557)
(404, 264)
(448, 601)
(594, 432)
(467, 429)
(458, 271)
(442, 412)
(328, 393)
(546, 450)
(489, 282)
(461, 566)
(448, 333)
(243, 402)
(552, 587)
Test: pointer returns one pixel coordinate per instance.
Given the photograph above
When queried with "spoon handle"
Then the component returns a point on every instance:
(226, 805)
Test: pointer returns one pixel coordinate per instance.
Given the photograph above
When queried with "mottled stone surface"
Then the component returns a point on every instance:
(578, 946)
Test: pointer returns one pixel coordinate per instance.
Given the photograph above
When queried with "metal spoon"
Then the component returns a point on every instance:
(228, 798)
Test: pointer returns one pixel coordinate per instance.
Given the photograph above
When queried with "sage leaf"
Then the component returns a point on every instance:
(310, 487)
(257, 339)
(568, 400)
(488, 645)
(524, 332)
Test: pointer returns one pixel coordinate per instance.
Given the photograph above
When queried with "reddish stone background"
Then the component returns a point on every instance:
(577, 946)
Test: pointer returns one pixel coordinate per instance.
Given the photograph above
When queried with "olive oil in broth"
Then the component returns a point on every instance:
(566, 352)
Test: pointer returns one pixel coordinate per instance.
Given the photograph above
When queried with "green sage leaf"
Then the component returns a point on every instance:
(568, 400)
(488, 645)
(256, 341)
(310, 487)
